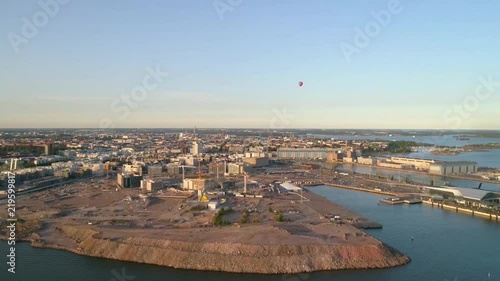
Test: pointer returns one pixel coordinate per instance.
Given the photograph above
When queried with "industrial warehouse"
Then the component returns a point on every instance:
(352, 156)
(304, 153)
(467, 196)
(453, 168)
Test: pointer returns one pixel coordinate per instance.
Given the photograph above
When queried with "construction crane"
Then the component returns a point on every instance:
(218, 165)
(183, 173)
(245, 175)
(13, 163)
(199, 165)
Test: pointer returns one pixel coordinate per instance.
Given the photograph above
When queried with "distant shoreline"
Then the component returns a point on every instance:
(424, 173)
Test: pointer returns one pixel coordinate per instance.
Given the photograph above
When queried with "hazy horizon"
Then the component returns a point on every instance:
(190, 129)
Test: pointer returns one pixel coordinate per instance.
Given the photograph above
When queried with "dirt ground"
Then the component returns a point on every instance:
(100, 205)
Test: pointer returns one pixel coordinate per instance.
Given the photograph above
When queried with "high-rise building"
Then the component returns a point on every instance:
(197, 148)
(48, 149)
(349, 153)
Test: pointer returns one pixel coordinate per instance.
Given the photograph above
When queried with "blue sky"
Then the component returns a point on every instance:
(240, 69)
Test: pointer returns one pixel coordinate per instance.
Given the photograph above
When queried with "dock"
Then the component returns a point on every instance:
(457, 209)
(392, 200)
(400, 200)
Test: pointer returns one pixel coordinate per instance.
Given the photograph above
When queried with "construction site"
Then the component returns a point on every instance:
(203, 223)
(99, 202)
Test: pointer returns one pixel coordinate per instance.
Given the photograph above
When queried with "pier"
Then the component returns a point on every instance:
(400, 200)
(392, 201)
(380, 192)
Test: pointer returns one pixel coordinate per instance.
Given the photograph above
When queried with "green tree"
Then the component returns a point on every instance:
(279, 217)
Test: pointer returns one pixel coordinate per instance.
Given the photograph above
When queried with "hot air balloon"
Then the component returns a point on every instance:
(301, 83)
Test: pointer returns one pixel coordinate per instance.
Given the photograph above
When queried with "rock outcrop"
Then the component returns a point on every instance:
(228, 256)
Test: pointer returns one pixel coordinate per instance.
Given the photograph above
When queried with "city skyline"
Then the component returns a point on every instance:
(264, 140)
(238, 66)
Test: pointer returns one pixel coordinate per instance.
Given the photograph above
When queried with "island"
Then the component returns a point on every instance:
(452, 151)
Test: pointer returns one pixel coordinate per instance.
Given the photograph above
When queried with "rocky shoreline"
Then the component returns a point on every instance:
(281, 258)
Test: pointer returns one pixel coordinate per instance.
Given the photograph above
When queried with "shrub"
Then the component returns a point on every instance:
(279, 217)
(198, 208)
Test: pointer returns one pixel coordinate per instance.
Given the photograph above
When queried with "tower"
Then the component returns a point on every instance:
(48, 149)
(197, 148)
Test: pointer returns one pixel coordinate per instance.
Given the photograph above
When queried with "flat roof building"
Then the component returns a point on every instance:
(304, 153)
(235, 168)
(469, 196)
(133, 169)
(420, 164)
(256, 161)
(150, 185)
(155, 171)
(290, 186)
(213, 204)
(126, 180)
(334, 156)
(173, 169)
(367, 161)
(453, 168)
(197, 184)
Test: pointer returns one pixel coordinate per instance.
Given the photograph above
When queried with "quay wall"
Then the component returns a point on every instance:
(462, 210)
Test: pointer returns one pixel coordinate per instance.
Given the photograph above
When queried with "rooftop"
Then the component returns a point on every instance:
(466, 193)
(290, 186)
(454, 163)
